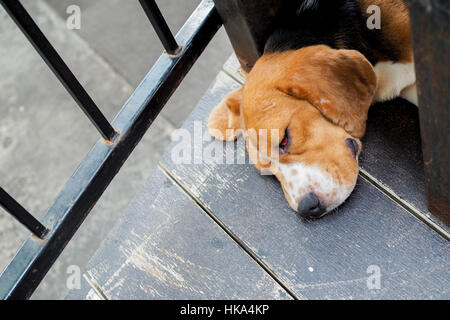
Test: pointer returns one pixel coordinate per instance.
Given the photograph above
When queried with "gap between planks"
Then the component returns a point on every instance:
(234, 237)
(403, 203)
(94, 286)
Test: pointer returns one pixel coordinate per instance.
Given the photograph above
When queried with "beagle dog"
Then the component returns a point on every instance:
(321, 70)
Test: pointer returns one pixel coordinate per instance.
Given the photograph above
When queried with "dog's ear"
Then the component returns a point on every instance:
(225, 120)
(340, 83)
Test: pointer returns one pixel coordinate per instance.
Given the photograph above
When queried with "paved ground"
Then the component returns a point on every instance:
(44, 136)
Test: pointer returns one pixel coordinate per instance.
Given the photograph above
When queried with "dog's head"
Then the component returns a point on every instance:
(302, 114)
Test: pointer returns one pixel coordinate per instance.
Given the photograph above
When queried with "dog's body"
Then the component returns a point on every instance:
(342, 24)
(321, 70)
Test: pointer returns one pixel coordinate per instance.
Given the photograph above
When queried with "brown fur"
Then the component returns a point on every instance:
(321, 78)
(270, 101)
(321, 94)
(395, 29)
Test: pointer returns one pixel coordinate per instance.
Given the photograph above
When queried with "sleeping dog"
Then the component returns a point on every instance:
(321, 70)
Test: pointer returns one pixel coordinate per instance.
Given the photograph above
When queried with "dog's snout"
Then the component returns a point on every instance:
(311, 207)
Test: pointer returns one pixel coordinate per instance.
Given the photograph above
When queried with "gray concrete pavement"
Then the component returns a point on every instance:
(121, 34)
(43, 134)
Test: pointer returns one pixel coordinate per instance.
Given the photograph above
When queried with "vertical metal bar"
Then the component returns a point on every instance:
(58, 66)
(248, 24)
(22, 215)
(159, 24)
(430, 25)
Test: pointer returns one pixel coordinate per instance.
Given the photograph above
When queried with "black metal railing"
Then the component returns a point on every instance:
(119, 138)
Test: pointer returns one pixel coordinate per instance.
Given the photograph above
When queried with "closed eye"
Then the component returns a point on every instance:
(353, 146)
(284, 142)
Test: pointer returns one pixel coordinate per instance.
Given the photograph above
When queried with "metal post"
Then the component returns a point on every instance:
(22, 215)
(159, 24)
(248, 24)
(430, 26)
(85, 187)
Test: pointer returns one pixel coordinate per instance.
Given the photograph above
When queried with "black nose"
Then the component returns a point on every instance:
(310, 207)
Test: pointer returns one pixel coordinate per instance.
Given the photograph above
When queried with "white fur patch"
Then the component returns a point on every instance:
(392, 79)
(301, 179)
(410, 94)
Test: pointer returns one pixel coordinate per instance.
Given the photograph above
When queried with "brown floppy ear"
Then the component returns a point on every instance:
(340, 83)
(225, 121)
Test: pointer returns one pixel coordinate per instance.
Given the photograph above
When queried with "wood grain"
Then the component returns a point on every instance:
(166, 247)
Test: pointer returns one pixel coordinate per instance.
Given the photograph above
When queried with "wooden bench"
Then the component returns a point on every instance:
(217, 231)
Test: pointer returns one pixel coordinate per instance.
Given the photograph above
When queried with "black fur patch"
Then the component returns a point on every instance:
(338, 24)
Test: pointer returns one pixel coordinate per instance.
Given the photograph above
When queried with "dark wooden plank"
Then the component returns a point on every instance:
(166, 247)
(248, 24)
(430, 25)
(327, 258)
(392, 151)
